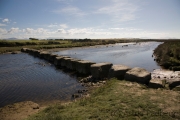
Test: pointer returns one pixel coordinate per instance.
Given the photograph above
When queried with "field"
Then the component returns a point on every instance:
(117, 100)
(16, 45)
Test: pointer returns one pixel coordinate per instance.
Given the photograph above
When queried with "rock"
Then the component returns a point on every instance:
(155, 83)
(118, 71)
(36, 53)
(15, 52)
(75, 95)
(24, 49)
(139, 75)
(71, 64)
(100, 70)
(47, 56)
(35, 106)
(64, 61)
(82, 91)
(44, 55)
(28, 50)
(52, 57)
(173, 83)
(83, 66)
(57, 60)
(31, 51)
(165, 74)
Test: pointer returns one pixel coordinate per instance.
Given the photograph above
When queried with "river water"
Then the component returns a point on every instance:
(24, 77)
(133, 55)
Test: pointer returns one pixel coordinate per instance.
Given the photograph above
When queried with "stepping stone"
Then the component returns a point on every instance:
(118, 71)
(139, 75)
(100, 70)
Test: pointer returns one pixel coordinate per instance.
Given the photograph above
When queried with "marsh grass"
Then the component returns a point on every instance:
(168, 54)
(117, 100)
(16, 45)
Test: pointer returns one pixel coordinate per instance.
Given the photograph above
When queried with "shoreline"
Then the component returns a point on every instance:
(54, 50)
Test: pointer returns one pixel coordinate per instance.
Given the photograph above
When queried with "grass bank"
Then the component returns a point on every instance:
(16, 45)
(117, 100)
(168, 55)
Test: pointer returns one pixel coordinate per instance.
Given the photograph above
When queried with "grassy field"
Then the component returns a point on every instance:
(118, 100)
(16, 45)
(168, 55)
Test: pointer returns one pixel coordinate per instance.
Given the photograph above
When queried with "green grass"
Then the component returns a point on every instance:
(168, 54)
(16, 45)
(117, 100)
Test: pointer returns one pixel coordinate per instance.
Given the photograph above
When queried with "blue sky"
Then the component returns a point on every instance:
(89, 19)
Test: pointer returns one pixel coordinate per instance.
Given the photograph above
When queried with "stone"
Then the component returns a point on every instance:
(36, 53)
(52, 57)
(28, 50)
(139, 75)
(118, 71)
(31, 51)
(71, 64)
(173, 83)
(15, 52)
(24, 49)
(83, 66)
(100, 70)
(64, 61)
(35, 106)
(46, 55)
(82, 91)
(156, 83)
(42, 54)
(57, 60)
(75, 95)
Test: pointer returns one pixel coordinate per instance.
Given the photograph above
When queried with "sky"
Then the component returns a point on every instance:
(47, 19)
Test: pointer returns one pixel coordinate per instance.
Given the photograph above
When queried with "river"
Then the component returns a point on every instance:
(24, 77)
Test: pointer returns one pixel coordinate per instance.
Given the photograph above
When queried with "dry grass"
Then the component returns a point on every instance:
(118, 100)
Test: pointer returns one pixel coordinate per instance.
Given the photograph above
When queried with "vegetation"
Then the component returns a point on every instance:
(117, 100)
(168, 55)
(16, 45)
(33, 38)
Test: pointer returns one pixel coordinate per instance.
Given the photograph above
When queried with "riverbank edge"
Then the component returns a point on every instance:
(167, 55)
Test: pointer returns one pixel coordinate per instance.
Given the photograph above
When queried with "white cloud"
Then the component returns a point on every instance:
(70, 10)
(35, 31)
(127, 29)
(52, 25)
(63, 26)
(61, 31)
(2, 24)
(88, 32)
(13, 30)
(3, 31)
(119, 10)
(80, 31)
(5, 20)
(116, 28)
